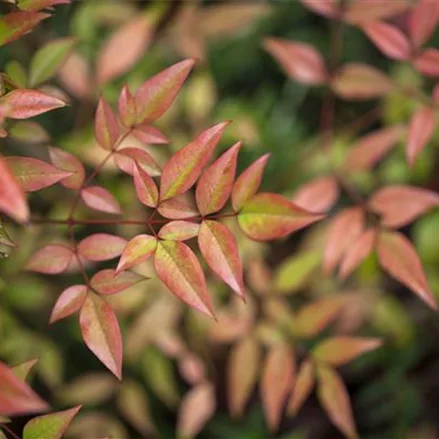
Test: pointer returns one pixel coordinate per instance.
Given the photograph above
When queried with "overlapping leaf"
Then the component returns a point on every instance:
(146, 189)
(127, 158)
(68, 162)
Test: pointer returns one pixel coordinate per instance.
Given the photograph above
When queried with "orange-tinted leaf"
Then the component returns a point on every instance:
(370, 149)
(363, 11)
(303, 386)
(327, 8)
(216, 181)
(139, 249)
(276, 382)
(101, 247)
(196, 408)
(178, 268)
(108, 282)
(146, 189)
(76, 77)
(177, 208)
(106, 127)
(220, 249)
(16, 397)
(68, 162)
(157, 94)
(300, 61)
(101, 333)
(421, 129)
(98, 198)
(269, 216)
(123, 49)
(400, 205)
(127, 158)
(389, 39)
(423, 21)
(52, 259)
(247, 184)
(357, 252)
(243, 367)
(344, 229)
(185, 166)
(399, 258)
(334, 398)
(358, 81)
(18, 23)
(428, 62)
(318, 195)
(337, 351)
(179, 230)
(69, 302)
(149, 135)
(23, 104)
(36, 5)
(127, 107)
(34, 174)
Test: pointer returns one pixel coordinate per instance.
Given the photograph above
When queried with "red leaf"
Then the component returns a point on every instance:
(52, 259)
(185, 166)
(101, 247)
(344, 229)
(18, 23)
(220, 249)
(127, 107)
(358, 81)
(337, 351)
(36, 5)
(149, 135)
(362, 11)
(276, 382)
(327, 8)
(127, 158)
(68, 162)
(370, 149)
(428, 62)
(179, 230)
(157, 94)
(269, 216)
(358, 251)
(101, 333)
(146, 189)
(139, 249)
(302, 388)
(34, 174)
(178, 268)
(423, 21)
(318, 195)
(334, 398)
(177, 208)
(23, 104)
(421, 129)
(106, 127)
(108, 282)
(16, 397)
(300, 61)
(243, 366)
(98, 198)
(123, 49)
(398, 257)
(12, 198)
(247, 184)
(389, 39)
(216, 181)
(69, 302)
(399, 205)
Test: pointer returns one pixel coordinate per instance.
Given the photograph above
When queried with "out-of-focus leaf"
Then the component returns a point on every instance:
(18, 23)
(423, 21)
(127, 158)
(420, 130)
(362, 11)
(192, 368)
(68, 162)
(146, 189)
(318, 195)
(101, 247)
(137, 250)
(303, 386)
(76, 77)
(108, 282)
(29, 131)
(98, 198)
(327, 8)
(22, 370)
(51, 259)
(179, 230)
(69, 302)
(427, 62)
(106, 127)
(36, 5)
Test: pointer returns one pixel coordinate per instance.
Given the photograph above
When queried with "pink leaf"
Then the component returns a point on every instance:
(98, 198)
(428, 62)
(146, 189)
(423, 21)
(177, 208)
(18, 23)
(23, 104)
(363, 11)
(157, 94)
(106, 127)
(178, 268)
(302, 388)
(108, 282)
(421, 129)
(185, 166)
(101, 333)
(179, 230)
(220, 249)
(247, 184)
(398, 257)
(101, 247)
(318, 195)
(76, 77)
(149, 135)
(269, 216)
(52, 259)
(389, 39)
(68, 162)
(216, 181)
(327, 8)
(123, 49)
(139, 249)
(300, 61)
(127, 107)
(127, 158)
(69, 302)
(399, 205)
